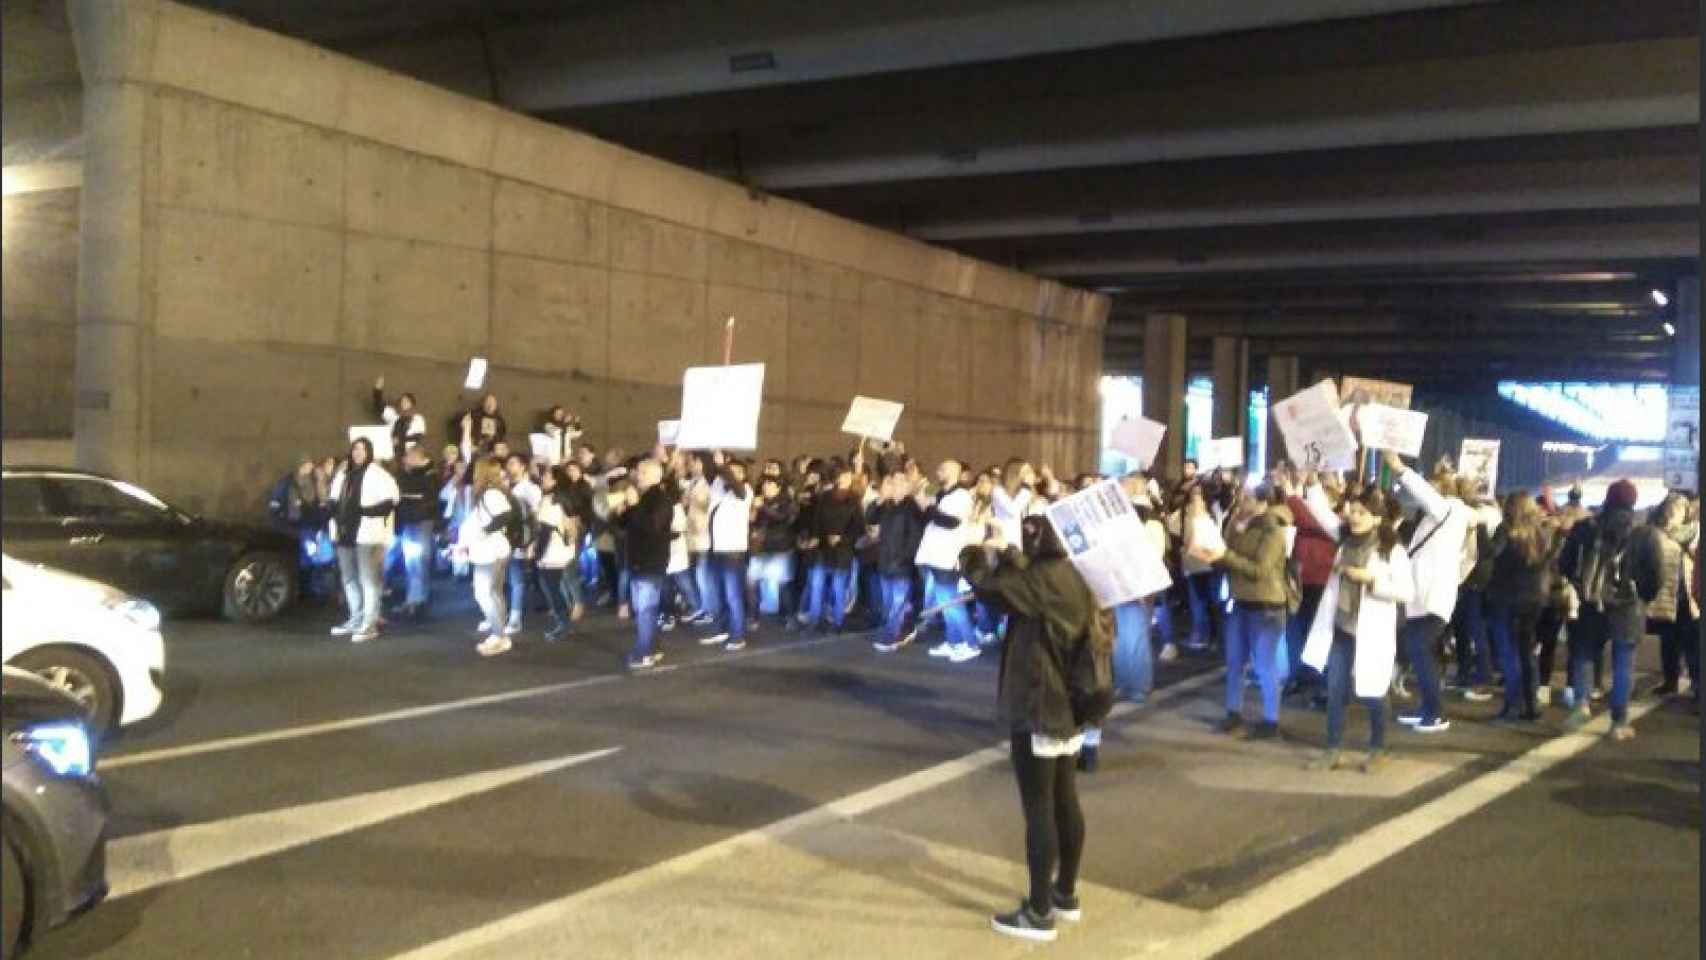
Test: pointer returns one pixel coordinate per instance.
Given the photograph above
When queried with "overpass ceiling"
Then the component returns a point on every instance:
(1427, 177)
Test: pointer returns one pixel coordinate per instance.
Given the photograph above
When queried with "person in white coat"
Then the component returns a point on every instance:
(484, 542)
(1353, 639)
(364, 497)
(1436, 558)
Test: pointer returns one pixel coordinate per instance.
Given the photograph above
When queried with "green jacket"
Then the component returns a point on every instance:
(1255, 562)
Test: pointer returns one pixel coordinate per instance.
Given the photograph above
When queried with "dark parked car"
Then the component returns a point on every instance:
(122, 535)
(54, 823)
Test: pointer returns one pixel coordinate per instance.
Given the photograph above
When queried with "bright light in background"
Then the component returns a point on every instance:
(1604, 411)
(1660, 298)
(1670, 329)
(1640, 454)
(1122, 397)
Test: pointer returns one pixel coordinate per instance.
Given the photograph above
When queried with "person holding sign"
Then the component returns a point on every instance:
(1354, 630)
(407, 424)
(730, 526)
(483, 427)
(1254, 559)
(1436, 559)
(645, 513)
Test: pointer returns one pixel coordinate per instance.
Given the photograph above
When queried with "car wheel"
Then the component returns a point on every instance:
(13, 899)
(86, 679)
(259, 587)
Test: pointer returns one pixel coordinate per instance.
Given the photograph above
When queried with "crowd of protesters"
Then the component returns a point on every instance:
(1316, 588)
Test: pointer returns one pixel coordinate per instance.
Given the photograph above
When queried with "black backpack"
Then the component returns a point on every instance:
(517, 530)
(1090, 674)
(1606, 583)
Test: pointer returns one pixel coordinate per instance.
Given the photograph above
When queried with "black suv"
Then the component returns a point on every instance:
(123, 536)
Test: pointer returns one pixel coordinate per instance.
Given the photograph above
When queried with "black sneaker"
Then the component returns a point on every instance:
(1231, 723)
(1087, 759)
(1265, 731)
(1065, 907)
(1025, 924)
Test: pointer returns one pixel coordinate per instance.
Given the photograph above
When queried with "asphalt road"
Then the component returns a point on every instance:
(303, 797)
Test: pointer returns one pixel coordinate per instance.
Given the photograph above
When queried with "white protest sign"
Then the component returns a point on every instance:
(476, 374)
(1682, 439)
(719, 407)
(1139, 438)
(1108, 545)
(667, 431)
(1316, 435)
(377, 434)
(1356, 390)
(872, 418)
(1221, 453)
(544, 447)
(1479, 458)
(1389, 428)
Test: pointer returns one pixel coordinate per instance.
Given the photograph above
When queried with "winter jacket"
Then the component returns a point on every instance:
(1049, 609)
(403, 428)
(900, 525)
(1672, 557)
(555, 545)
(1314, 549)
(1255, 563)
(417, 490)
(1435, 547)
(363, 505)
(482, 531)
(730, 517)
(486, 429)
(945, 530)
(838, 523)
(1518, 582)
(646, 525)
(773, 525)
(1612, 531)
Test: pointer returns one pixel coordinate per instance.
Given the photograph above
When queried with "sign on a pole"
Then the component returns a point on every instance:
(1359, 390)
(720, 406)
(1221, 453)
(1107, 544)
(1316, 435)
(872, 418)
(1389, 428)
(1479, 458)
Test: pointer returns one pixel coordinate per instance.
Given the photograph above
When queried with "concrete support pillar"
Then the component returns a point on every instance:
(1284, 379)
(1231, 387)
(1164, 353)
(113, 340)
(1685, 361)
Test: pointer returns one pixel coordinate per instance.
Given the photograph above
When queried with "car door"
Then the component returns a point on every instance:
(127, 538)
(31, 527)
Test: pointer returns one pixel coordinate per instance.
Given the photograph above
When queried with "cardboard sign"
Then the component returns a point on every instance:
(1479, 458)
(667, 431)
(476, 374)
(1317, 436)
(1222, 453)
(1108, 545)
(1682, 439)
(1389, 428)
(1139, 438)
(720, 406)
(377, 434)
(1357, 390)
(871, 418)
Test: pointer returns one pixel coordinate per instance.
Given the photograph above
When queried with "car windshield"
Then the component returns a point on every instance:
(99, 499)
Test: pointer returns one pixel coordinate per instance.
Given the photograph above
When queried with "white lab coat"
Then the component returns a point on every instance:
(1438, 565)
(1377, 623)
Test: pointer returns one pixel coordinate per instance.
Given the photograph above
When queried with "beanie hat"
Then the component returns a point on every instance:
(1621, 494)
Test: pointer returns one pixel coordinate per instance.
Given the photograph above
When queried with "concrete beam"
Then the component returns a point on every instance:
(1623, 86)
(1232, 382)
(1128, 329)
(1164, 378)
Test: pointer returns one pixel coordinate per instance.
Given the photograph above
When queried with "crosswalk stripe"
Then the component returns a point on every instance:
(150, 860)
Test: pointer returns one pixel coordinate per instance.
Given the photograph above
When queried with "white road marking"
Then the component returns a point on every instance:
(223, 744)
(1242, 916)
(150, 860)
(846, 808)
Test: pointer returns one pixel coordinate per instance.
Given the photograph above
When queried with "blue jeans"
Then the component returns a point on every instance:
(1420, 633)
(1202, 592)
(1515, 628)
(1593, 637)
(729, 572)
(944, 585)
(520, 574)
(771, 573)
(1134, 656)
(1297, 634)
(417, 560)
(1341, 662)
(680, 591)
(897, 598)
(828, 595)
(645, 591)
(1253, 636)
(1469, 624)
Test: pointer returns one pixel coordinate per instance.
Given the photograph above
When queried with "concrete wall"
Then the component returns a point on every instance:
(267, 226)
(38, 303)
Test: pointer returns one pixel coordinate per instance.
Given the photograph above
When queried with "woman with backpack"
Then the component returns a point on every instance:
(1518, 590)
(485, 542)
(1053, 629)
(1353, 638)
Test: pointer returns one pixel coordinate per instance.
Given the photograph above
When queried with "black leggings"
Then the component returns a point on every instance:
(1054, 824)
(1546, 634)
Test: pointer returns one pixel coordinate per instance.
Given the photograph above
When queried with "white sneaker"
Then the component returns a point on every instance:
(964, 652)
(494, 645)
(484, 626)
(343, 629)
(714, 639)
(1169, 653)
(943, 649)
(1543, 696)
(513, 629)
(364, 635)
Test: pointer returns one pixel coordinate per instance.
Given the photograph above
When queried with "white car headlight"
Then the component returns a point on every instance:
(61, 747)
(140, 612)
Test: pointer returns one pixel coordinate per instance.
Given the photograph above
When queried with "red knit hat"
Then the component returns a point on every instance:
(1621, 494)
